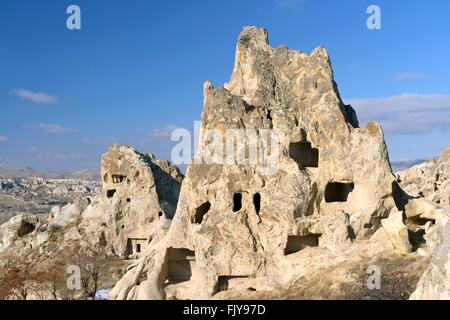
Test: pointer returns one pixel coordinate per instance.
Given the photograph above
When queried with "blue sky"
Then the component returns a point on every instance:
(136, 70)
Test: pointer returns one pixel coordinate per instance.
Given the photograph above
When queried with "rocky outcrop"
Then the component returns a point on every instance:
(243, 223)
(139, 192)
(435, 281)
(431, 180)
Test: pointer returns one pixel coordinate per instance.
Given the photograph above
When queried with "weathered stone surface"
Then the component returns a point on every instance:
(421, 208)
(397, 231)
(435, 281)
(237, 226)
(14, 231)
(337, 231)
(137, 191)
(145, 198)
(430, 179)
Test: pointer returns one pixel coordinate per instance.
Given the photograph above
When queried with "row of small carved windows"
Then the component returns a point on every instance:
(116, 178)
(237, 205)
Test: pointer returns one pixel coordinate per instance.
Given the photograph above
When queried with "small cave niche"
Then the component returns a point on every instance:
(117, 178)
(179, 265)
(297, 243)
(368, 225)
(225, 283)
(200, 212)
(128, 199)
(269, 115)
(25, 228)
(237, 202)
(135, 245)
(110, 193)
(338, 191)
(257, 202)
(304, 154)
(160, 214)
(417, 239)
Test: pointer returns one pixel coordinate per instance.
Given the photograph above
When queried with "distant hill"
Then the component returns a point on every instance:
(83, 174)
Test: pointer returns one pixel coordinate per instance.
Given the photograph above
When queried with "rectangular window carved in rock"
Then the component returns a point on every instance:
(110, 193)
(225, 283)
(298, 243)
(179, 265)
(116, 178)
(304, 154)
(338, 191)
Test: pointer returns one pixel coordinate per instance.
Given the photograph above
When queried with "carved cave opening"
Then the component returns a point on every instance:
(304, 154)
(237, 202)
(25, 228)
(257, 202)
(135, 245)
(298, 243)
(117, 178)
(200, 212)
(338, 191)
(179, 265)
(225, 283)
(110, 193)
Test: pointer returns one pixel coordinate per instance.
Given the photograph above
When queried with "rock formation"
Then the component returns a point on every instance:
(238, 227)
(138, 199)
(431, 180)
(287, 198)
(138, 190)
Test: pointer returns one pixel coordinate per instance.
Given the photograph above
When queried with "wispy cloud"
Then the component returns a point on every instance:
(3, 139)
(49, 155)
(289, 4)
(164, 132)
(407, 76)
(50, 128)
(158, 140)
(407, 113)
(35, 97)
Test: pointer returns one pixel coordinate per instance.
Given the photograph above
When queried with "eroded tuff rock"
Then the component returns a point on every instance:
(237, 227)
(139, 194)
(431, 180)
(138, 190)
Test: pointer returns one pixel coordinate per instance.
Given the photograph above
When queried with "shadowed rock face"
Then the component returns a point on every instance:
(231, 236)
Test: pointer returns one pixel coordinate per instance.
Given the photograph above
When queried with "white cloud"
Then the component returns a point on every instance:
(49, 155)
(36, 97)
(3, 139)
(407, 113)
(404, 76)
(158, 138)
(50, 128)
(289, 4)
